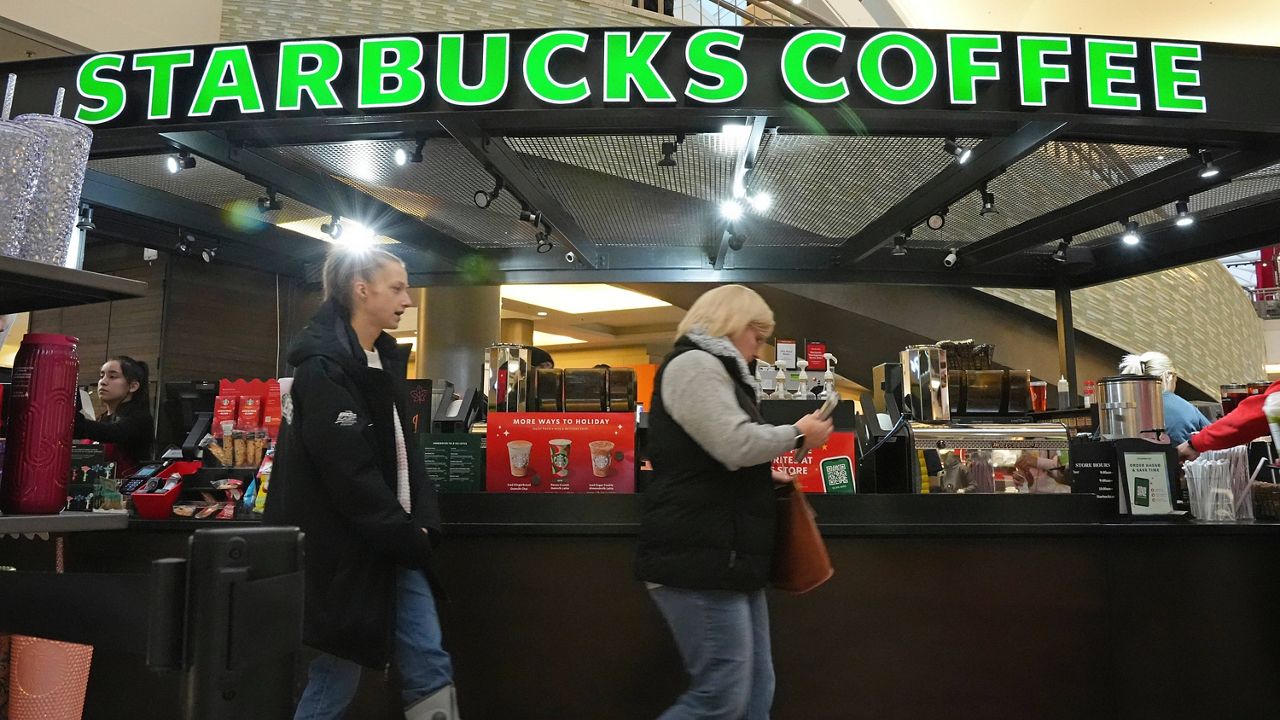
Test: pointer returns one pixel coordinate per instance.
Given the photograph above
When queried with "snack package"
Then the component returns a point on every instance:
(263, 481)
(239, 450)
(271, 410)
(250, 415)
(225, 408)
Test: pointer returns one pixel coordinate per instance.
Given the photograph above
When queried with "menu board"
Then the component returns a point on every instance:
(561, 452)
(455, 461)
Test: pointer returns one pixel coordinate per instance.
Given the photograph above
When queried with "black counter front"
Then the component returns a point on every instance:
(941, 607)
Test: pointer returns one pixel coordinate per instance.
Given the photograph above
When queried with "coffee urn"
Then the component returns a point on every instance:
(1131, 406)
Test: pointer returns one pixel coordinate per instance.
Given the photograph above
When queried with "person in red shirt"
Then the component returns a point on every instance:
(1243, 425)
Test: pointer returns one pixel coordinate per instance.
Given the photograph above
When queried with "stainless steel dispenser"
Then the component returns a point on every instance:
(1131, 406)
(507, 370)
(924, 381)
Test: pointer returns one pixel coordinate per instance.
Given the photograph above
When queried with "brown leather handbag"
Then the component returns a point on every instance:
(800, 559)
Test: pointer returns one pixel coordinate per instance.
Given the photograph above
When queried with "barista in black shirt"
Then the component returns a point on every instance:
(126, 429)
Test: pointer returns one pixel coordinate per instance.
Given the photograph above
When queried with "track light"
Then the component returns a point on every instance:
(208, 254)
(736, 240)
(483, 198)
(333, 228)
(900, 245)
(544, 242)
(938, 220)
(269, 202)
(1131, 236)
(761, 202)
(1184, 213)
(179, 162)
(731, 209)
(953, 257)
(404, 157)
(86, 218)
(1060, 254)
(668, 153)
(1208, 170)
(530, 216)
(186, 241)
(960, 153)
(988, 202)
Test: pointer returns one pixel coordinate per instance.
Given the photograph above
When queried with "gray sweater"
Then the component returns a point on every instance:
(699, 395)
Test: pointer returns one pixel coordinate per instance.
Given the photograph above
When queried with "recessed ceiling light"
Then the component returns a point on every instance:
(542, 339)
(580, 299)
(542, 313)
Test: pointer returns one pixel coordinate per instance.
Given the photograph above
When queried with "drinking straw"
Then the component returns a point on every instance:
(8, 96)
(57, 103)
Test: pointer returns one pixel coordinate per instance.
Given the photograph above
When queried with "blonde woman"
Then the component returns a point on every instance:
(1181, 418)
(707, 531)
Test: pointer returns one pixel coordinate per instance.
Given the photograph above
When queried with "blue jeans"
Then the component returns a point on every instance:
(723, 638)
(423, 664)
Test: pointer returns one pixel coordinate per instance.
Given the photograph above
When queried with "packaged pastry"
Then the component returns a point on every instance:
(240, 449)
(184, 510)
(207, 511)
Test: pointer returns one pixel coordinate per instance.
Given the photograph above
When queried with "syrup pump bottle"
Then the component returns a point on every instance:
(804, 392)
(828, 377)
(780, 380)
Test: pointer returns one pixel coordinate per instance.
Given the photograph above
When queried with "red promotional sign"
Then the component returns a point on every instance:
(816, 353)
(561, 452)
(828, 469)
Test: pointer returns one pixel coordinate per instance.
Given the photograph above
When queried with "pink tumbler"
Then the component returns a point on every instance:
(42, 410)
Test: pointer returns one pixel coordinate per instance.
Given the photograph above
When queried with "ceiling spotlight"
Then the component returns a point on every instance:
(86, 218)
(961, 154)
(530, 216)
(544, 242)
(333, 228)
(953, 257)
(177, 163)
(668, 153)
(761, 202)
(899, 245)
(542, 313)
(1060, 254)
(1131, 236)
(1184, 213)
(208, 254)
(185, 242)
(269, 202)
(731, 209)
(1208, 170)
(988, 202)
(403, 157)
(937, 220)
(483, 198)
(736, 241)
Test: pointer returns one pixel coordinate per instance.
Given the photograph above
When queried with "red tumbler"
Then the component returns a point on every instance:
(42, 410)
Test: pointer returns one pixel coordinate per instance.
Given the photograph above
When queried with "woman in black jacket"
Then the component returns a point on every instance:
(353, 480)
(126, 428)
(707, 523)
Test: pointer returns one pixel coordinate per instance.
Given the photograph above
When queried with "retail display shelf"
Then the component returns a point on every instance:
(62, 523)
(26, 285)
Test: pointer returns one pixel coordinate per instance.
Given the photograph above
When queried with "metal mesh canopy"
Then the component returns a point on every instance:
(439, 190)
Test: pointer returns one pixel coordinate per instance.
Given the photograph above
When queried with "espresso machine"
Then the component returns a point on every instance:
(908, 442)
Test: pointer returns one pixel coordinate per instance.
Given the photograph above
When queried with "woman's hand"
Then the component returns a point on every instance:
(1186, 452)
(815, 429)
(782, 478)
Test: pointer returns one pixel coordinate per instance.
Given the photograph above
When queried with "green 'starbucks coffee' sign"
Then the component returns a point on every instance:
(642, 68)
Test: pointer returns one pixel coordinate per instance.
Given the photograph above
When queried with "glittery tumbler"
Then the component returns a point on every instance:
(56, 206)
(49, 679)
(21, 150)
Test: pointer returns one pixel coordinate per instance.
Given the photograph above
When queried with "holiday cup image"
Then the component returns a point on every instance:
(601, 457)
(560, 457)
(519, 453)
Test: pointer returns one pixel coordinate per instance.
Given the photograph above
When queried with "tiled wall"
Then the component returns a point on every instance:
(1197, 315)
(267, 19)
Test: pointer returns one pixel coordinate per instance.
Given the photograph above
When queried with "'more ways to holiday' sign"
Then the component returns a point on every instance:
(684, 67)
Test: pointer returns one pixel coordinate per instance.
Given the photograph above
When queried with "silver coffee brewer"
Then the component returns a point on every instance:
(507, 374)
(924, 383)
(1131, 406)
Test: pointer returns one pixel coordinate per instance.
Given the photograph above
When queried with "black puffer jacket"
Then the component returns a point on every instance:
(335, 477)
(704, 527)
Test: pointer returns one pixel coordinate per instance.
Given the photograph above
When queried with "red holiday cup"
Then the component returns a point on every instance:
(42, 408)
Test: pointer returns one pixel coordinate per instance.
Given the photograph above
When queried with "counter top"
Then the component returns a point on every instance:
(838, 516)
(62, 523)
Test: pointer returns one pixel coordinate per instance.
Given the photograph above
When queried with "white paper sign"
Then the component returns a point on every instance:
(787, 353)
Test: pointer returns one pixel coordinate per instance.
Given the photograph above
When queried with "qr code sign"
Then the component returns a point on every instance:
(837, 475)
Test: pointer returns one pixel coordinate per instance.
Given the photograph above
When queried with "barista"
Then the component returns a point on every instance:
(541, 359)
(126, 428)
(1037, 474)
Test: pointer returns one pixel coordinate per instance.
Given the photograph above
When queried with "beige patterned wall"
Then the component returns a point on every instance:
(267, 19)
(1196, 314)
